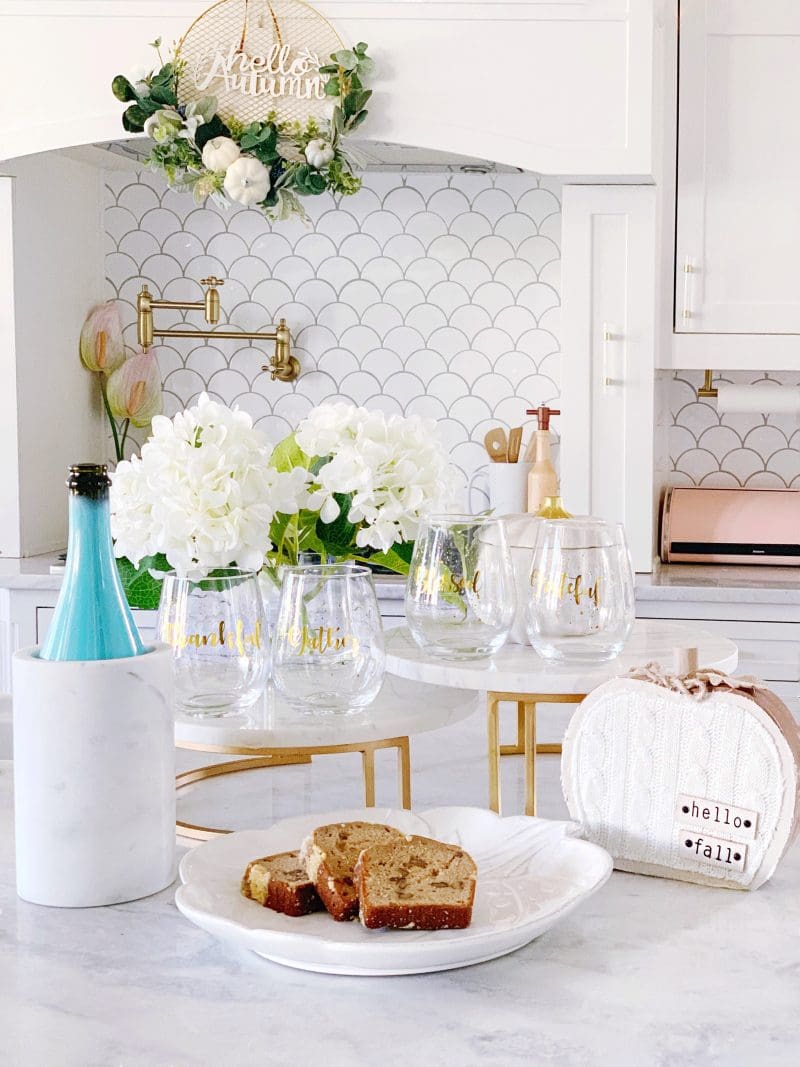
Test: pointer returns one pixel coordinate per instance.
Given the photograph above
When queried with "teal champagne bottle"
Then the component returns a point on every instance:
(92, 619)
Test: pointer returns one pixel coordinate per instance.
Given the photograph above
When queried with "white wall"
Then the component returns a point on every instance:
(56, 235)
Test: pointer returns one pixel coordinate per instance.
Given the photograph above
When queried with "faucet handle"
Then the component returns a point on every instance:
(211, 280)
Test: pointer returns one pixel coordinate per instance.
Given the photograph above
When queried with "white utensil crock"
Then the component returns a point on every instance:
(94, 778)
(506, 484)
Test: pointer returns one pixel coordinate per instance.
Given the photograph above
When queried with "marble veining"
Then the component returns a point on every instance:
(518, 669)
(402, 708)
(648, 973)
(746, 584)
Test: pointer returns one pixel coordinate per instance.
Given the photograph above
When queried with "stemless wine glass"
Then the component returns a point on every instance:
(460, 596)
(581, 603)
(219, 636)
(327, 650)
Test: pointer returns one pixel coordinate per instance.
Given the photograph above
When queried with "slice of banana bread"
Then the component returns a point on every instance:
(415, 884)
(330, 854)
(280, 882)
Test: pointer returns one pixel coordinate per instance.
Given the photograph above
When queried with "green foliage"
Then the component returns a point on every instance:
(215, 128)
(261, 140)
(341, 179)
(355, 101)
(397, 559)
(308, 181)
(163, 94)
(236, 128)
(180, 157)
(134, 118)
(346, 59)
(288, 454)
(293, 534)
(175, 158)
(140, 587)
(339, 536)
(122, 89)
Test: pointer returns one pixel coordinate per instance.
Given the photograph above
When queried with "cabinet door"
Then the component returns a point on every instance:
(738, 233)
(607, 421)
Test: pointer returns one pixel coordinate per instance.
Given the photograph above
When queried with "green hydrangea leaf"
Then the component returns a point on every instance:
(140, 587)
(338, 536)
(397, 559)
(287, 455)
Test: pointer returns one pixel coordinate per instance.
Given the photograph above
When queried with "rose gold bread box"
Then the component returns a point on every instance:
(731, 526)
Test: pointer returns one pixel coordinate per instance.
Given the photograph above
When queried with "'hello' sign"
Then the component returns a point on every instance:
(699, 788)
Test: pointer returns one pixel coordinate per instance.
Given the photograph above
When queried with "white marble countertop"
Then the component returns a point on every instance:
(649, 973)
(748, 583)
(744, 584)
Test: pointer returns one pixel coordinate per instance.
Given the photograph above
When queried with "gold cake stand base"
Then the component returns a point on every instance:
(282, 757)
(526, 739)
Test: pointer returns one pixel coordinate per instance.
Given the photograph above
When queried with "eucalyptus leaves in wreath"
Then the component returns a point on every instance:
(272, 164)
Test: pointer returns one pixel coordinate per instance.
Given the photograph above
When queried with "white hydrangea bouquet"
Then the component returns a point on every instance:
(370, 478)
(208, 491)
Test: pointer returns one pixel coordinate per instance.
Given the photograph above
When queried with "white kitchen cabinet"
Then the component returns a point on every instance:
(738, 211)
(607, 376)
(768, 649)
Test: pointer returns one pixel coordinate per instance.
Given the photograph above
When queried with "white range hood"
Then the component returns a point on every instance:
(559, 87)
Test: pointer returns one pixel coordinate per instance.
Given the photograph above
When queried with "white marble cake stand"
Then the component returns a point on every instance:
(274, 734)
(517, 674)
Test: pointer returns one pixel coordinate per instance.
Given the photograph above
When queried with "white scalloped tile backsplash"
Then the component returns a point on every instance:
(710, 449)
(431, 293)
(435, 294)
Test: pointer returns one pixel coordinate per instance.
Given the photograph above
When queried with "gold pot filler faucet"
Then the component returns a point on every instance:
(283, 365)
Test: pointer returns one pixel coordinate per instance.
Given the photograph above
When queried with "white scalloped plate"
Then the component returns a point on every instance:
(531, 873)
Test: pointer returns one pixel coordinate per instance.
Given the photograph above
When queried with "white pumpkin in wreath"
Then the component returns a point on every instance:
(219, 153)
(247, 181)
(319, 153)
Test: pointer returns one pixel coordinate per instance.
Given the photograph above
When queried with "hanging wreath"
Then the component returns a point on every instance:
(271, 164)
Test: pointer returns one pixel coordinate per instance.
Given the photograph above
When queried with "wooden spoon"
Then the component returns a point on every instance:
(497, 445)
(514, 444)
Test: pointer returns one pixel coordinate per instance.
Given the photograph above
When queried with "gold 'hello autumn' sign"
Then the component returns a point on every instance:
(254, 108)
(258, 57)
